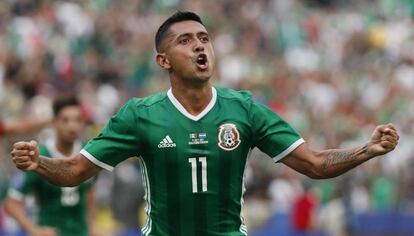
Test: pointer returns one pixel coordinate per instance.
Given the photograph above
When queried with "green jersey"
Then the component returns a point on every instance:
(193, 166)
(61, 208)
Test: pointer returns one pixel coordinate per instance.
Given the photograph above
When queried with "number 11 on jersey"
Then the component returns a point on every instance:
(203, 162)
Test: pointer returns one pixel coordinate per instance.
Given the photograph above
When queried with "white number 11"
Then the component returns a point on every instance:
(203, 161)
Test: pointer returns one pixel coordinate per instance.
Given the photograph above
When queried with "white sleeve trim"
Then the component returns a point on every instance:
(95, 161)
(15, 194)
(288, 150)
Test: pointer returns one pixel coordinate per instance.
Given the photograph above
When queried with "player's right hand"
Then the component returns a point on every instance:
(25, 155)
(43, 231)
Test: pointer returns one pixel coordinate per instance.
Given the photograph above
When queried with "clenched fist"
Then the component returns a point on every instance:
(383, 140)
(25, 155)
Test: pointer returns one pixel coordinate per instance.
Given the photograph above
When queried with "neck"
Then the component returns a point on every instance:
(66, 148)
(193, 98)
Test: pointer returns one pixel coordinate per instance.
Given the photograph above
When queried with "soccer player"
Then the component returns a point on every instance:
(194, 140)
(64, 211)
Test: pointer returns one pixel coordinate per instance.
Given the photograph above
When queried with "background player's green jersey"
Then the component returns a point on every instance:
(193, 165)
(61, 208)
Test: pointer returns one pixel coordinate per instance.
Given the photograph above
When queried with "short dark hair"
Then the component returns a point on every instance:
(179, 16)
(64, 101)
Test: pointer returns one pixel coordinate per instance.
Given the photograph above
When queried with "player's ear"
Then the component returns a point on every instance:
(163, 61)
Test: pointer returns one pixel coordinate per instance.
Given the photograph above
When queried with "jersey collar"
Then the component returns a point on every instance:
(183, 111)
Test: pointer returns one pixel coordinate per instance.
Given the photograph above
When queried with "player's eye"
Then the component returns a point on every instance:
(204, 39)
(184, 41)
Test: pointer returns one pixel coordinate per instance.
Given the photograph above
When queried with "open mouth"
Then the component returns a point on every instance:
(202, 62)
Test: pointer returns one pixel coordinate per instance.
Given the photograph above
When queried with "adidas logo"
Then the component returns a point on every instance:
(166, 143)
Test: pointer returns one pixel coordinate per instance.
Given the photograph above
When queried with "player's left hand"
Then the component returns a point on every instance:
(383, 140)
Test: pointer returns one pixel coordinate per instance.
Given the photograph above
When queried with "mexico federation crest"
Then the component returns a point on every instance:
(228, 137)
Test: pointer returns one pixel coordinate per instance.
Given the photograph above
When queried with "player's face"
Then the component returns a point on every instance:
(189, 51)
(69, 123)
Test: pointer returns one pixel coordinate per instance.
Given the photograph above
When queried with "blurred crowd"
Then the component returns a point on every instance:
(332, 68)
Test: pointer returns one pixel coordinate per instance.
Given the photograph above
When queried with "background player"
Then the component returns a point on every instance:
(62, 211)
(194, 141)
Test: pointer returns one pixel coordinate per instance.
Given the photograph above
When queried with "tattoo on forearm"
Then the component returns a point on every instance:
(340, 157)
(58, 171)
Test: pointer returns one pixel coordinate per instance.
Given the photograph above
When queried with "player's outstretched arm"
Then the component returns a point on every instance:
(59, 171)
(25, 126)
(334, 162)
(15, 208)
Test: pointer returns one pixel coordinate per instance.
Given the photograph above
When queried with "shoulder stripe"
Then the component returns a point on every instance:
(243, 228)
(288, 150)
(147, 228)
(95, 161)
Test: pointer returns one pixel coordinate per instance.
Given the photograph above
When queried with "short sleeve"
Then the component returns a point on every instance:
(117, 141)
(271, 134)
(22, 184)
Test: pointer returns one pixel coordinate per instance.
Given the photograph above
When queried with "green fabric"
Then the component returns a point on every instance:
(383, 193)
(4, 181)
(326, 190)
(193, 169)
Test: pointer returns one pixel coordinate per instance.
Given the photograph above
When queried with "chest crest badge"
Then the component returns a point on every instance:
(228, 137)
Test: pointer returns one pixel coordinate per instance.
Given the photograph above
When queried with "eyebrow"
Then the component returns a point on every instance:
(170, 38)
(200, 33)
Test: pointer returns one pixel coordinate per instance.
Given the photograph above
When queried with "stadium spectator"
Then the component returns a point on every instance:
(304, 210)
(22, 126)
(284, 190)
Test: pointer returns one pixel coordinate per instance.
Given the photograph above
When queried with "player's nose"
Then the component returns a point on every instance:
(199, 47)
